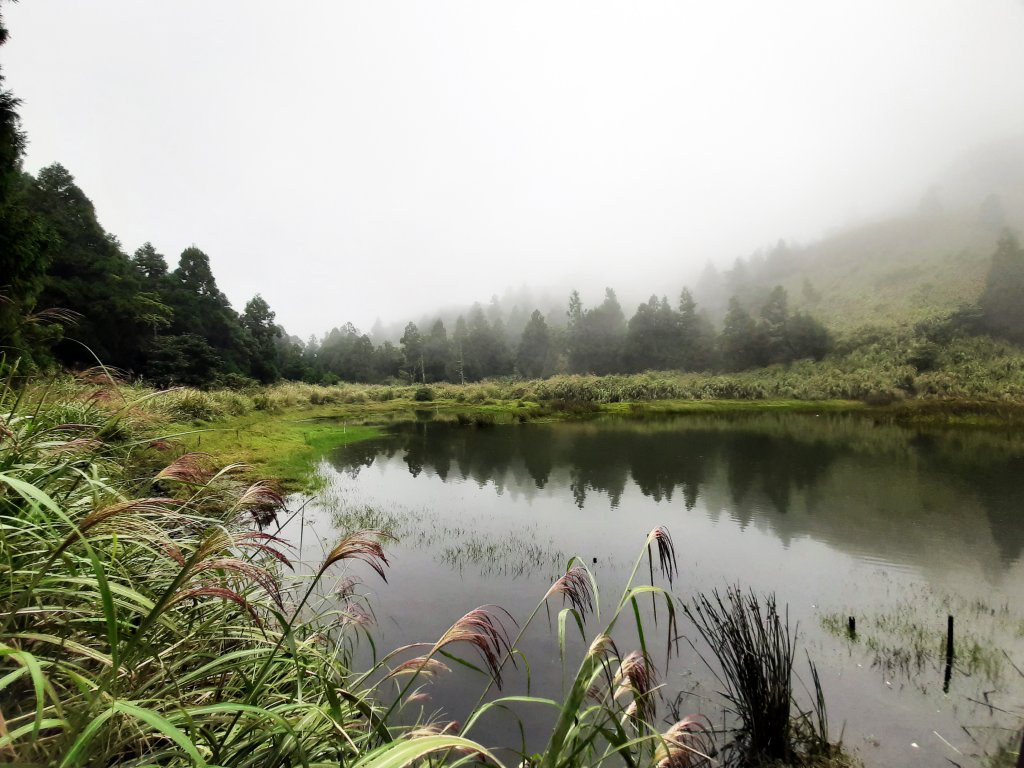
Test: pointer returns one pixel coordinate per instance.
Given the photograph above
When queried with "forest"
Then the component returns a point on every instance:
(72, 297)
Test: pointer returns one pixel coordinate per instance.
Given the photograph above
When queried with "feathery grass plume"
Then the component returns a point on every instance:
(420, 665)
(360, 545)
(174, 552)
(601, 646)
(483, 630)
(262, 501)
(266, 580)
(103, 376)
(636, 677)
(262, 542)
(214, 541)
(353, 614)
(52, 316)
(661, 538)
(222, 592)
(153, 505)
(157, 505)
(434, 729)
(77, 445)
(689, 743)
(188, 469)
(346, 587)
(574, 586)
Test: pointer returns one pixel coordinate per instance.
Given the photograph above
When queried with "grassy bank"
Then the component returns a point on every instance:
(283, 446)
(281, 431)
(284, 443)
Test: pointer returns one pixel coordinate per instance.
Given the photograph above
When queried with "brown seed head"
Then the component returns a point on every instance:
(687, 744)
(189, 468)
(574, 586)
(486, 633)
(361, 545)
(666, 552)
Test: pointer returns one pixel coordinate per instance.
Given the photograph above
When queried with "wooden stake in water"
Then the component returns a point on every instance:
(949, 655)
(851, 627)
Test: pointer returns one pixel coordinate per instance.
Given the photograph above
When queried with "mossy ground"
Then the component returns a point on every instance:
(284, 446)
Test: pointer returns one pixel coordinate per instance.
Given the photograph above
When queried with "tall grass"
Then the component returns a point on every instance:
(983, 371)
(754, 648)
(155, 618)
(875, 367)
(145, 620)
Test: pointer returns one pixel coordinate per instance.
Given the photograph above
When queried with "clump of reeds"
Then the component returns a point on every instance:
(754, 647)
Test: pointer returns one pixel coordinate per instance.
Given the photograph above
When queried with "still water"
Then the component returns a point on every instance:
(834, 514)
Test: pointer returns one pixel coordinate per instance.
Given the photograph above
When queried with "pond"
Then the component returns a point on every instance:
(836, 515)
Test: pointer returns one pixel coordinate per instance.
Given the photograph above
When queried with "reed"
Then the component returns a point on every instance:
(754, 648)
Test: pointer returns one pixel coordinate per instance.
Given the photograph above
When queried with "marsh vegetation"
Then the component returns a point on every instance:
(155, 613)
(838, 515)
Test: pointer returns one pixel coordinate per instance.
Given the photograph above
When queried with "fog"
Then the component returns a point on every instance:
(363, 160)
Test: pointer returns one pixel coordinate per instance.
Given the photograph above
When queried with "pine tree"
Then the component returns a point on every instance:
(412, 350)
(738, 339)
(534, 353)
(1002, 305)
(258, 320)
(25, 240)
(437, 352)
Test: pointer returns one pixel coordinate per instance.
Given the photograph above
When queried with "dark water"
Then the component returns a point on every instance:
(835, 515)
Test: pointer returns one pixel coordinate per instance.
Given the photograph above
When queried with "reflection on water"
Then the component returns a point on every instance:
(879, 491)
(837, 515)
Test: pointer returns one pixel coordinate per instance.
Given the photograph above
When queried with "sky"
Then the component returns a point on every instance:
(377, 159)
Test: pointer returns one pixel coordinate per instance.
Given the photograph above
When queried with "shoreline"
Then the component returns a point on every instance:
(284, 443)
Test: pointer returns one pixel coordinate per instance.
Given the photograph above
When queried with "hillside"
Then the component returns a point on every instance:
(893, 272)
(905, 267)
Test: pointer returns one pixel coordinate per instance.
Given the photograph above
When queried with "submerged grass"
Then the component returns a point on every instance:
(907, 640)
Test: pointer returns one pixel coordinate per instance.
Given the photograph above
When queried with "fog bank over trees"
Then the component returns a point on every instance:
(356, 161)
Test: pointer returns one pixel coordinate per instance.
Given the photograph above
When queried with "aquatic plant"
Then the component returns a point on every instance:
(754, 647)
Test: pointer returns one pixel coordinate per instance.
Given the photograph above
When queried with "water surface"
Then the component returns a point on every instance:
(835, 515)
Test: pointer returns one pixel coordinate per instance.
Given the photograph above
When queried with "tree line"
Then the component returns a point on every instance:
(72, 296)
(175, 326)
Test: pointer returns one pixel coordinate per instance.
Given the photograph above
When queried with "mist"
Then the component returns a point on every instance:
(359, 161)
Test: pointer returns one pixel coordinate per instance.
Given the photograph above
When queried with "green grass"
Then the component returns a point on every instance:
(145, 621)
(283, 446)
(907, 639)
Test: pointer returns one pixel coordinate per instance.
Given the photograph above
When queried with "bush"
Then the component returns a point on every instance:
(192, 405)
(423, 395)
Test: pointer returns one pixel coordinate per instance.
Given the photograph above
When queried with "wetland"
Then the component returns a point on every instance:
(838, 516)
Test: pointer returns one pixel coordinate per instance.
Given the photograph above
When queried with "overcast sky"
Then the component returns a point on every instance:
(351, 160)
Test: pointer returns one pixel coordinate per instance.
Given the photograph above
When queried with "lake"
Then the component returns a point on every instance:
(836, 515)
